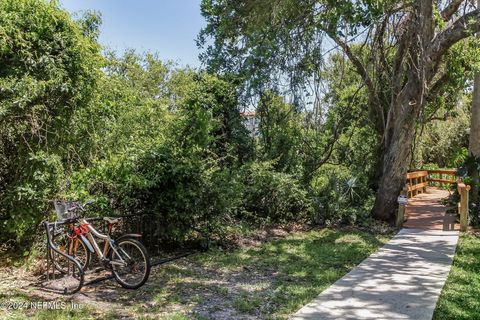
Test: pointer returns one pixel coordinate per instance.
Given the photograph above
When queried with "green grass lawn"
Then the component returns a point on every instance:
(269, 281)
(460, 298)
(305, 264)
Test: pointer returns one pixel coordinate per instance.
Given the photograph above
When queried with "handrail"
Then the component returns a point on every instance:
(416, 174)
(441, 173)
(418, 180)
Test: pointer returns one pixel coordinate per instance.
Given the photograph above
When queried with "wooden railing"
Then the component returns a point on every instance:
(419, 180)
(439, 176)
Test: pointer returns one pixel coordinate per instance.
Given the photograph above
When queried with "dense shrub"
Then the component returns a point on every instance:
(280, 133)
(340, 197)
(187, 175)
(49, 67)
(444, 141)
(29, 194)
(272, 196)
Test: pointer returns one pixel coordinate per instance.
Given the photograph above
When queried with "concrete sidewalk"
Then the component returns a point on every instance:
(402, 280)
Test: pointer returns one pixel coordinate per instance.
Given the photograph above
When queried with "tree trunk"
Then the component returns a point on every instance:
(395, 166)
(474, 140)
(403, 112)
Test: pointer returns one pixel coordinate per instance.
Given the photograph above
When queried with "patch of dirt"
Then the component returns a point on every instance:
(375, 227)
(181, 286)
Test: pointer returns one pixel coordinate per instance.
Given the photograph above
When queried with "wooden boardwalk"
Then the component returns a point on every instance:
(425, 211)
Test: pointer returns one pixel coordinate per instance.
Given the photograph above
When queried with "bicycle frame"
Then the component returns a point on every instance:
(109, 243)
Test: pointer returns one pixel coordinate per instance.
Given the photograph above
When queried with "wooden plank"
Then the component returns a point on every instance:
(463, 205)
(417, 174)
(417, 186)
(443, 171)
(442, 180)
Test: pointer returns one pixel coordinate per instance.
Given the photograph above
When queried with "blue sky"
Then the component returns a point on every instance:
(168, 27)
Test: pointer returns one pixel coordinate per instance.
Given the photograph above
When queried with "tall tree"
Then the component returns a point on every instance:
(397, 47)
(474, 142)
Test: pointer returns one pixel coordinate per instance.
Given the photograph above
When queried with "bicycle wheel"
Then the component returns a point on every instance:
(136, 270)
(75, 248)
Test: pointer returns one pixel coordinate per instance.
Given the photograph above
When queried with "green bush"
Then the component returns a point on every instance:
(272, 196)
(28, 197)
(188, 176)
(49, 68)
(340, 197)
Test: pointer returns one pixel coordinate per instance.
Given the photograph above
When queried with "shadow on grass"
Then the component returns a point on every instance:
(271, 280)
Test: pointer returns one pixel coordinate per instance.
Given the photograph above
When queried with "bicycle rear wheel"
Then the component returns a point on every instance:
(136, 269)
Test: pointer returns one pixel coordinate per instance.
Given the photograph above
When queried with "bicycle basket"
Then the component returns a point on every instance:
(62, 207)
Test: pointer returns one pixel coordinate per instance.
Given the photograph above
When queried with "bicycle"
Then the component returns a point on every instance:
(126, 257)
(62, 237)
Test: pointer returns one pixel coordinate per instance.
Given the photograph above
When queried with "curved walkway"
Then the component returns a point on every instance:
(402, 280)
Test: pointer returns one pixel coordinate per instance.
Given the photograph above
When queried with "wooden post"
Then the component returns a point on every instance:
(405, 212)
(410, 193)
(402, 212)
(415, 191)
(463, 205)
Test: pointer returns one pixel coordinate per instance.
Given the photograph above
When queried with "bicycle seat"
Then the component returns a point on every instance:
(111, 220)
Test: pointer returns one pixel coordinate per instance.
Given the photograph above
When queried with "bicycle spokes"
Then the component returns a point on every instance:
(130, 263)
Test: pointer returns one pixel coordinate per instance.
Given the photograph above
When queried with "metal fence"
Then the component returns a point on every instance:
(153, 233)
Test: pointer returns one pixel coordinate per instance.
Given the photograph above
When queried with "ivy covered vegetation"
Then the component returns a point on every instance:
(141, 135)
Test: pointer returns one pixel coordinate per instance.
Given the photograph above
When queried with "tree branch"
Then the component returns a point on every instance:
(399, 59)
(437, 86)
(462, 28)
(451, 9)
(375, 101)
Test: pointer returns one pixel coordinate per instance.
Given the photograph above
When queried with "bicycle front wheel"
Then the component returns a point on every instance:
(72, 247)
(130, 263)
